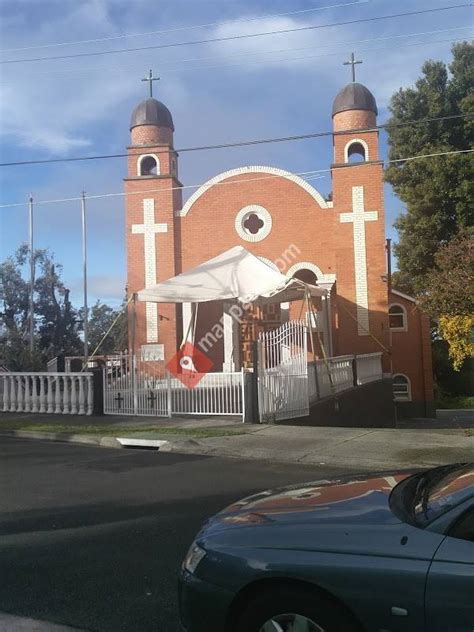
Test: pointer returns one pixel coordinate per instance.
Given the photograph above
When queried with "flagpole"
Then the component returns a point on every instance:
(84, 273)
(32, 276)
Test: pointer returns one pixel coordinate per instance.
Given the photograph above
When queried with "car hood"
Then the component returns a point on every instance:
(357, 500)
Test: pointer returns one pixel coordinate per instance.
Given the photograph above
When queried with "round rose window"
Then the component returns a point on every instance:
(253, 223)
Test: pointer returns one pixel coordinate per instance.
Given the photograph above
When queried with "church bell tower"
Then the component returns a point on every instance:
(152, 197)
(357, 175)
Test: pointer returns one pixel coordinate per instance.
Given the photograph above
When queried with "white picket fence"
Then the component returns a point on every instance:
(58, 393)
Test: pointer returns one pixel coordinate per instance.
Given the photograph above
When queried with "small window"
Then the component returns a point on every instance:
(149, 166)
(397, 318)
(401, 388)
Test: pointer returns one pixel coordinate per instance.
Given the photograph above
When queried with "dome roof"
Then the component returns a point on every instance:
(151, 112)
(354, 96)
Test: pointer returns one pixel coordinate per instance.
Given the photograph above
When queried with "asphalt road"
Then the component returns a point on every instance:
(93, 538)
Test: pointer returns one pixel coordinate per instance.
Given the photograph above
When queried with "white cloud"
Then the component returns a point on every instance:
(108, 288)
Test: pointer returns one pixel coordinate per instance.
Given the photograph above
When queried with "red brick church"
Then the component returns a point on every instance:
(338, 244)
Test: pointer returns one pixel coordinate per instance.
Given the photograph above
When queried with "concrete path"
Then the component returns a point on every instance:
(346, 447)
(415, 443)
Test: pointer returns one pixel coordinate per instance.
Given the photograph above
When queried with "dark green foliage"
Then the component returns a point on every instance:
(447, 380)
(450, 284)
(438, 192)
(57, 322)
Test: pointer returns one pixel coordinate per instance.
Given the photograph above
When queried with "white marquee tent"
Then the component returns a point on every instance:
(236, 274)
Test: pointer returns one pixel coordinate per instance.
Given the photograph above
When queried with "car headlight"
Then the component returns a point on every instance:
(193, 558)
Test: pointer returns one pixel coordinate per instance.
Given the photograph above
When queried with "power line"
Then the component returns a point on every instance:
(186, 28)
(305, 57)
(239, 181)
(239, 37)
(268, 52)
(247, 143)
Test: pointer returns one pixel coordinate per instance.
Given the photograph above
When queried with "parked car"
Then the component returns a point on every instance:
(386, 553)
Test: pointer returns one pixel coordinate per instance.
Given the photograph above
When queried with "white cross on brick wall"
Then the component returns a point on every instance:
(149, 229)
(358, 218)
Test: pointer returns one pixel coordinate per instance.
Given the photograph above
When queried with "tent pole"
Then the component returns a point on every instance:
(312, 342)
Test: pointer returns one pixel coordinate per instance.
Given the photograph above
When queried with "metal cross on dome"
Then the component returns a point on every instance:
(150, 80)
(352, 62)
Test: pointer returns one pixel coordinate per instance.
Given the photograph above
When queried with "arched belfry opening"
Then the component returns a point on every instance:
(149, 166)
(356, 152)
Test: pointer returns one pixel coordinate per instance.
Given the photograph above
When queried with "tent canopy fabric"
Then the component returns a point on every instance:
(236, 274)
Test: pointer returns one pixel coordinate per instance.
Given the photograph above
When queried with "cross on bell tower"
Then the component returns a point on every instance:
(352, 62)
(150, 80)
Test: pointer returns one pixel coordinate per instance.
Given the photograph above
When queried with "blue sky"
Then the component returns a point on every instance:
(62, 108)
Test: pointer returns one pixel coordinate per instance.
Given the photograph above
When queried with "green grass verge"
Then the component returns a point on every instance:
(454, 401)
(114, 431)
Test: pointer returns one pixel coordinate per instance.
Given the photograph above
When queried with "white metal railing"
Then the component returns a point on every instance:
(340, 371)
(57, 393)
(335, 375)
(214, 394)
(132, 387)
(368, 368)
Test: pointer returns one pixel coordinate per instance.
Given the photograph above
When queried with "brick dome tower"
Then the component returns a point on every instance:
(153, 196)
(357, 175)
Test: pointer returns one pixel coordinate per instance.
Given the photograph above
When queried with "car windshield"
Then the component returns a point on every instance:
(426, 496)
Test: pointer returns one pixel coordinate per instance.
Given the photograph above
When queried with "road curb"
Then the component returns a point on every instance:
(118, 443)
(64, 437)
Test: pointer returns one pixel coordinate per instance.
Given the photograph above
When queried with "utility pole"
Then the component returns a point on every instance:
(84, 273)
(32, 276)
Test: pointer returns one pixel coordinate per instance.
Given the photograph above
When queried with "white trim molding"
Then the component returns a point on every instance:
(401, 397)
(140, 160)
(262, 214)
(353, 142)
(307, 265)
(273, 171)
(402, 295)
(403, 313)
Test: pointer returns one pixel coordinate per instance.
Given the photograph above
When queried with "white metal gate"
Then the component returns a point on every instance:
(137, 387)
(283, 372)
(133, 387)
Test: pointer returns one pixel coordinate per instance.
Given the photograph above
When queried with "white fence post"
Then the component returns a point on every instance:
(13, 397)
(42, 396)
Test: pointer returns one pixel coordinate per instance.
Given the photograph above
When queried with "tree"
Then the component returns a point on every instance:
(449, 295)
(101, 318)
(438, 192)
(56, 324)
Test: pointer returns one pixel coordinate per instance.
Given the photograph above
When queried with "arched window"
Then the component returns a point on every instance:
(308, 276)
(356, 150)
(397, 318)
(401, 388)
(148, 166)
